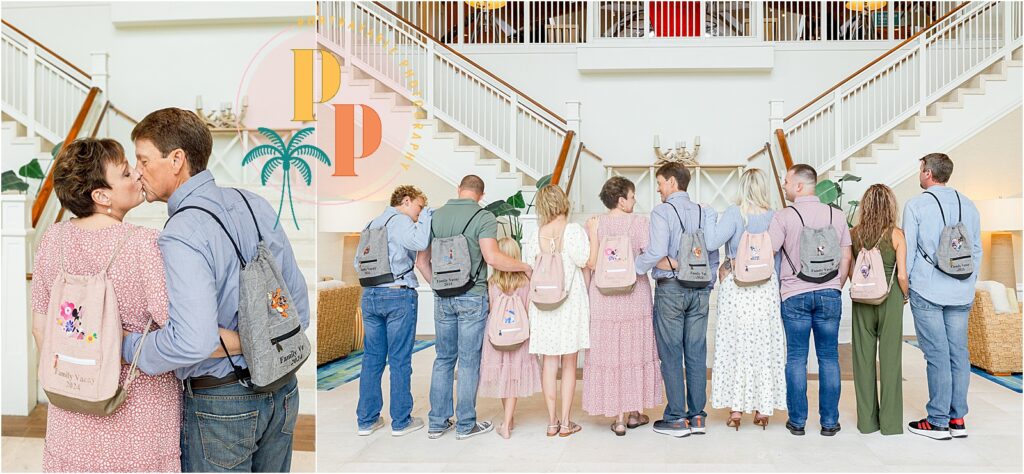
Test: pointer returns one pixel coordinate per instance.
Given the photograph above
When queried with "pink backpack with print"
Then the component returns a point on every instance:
(867, 282)
(615, 272)
(80, 357)
(755, 259)
(508, 325)
(547, 286)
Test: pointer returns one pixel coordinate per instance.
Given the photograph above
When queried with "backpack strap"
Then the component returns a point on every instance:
(470, 221)
(476, 276)
(403, 274)
(942, 212)
(133, 371)
(243, 379)
(959, 208)
(802, 224)
(117, 249)
(253, 214)
(238, 252)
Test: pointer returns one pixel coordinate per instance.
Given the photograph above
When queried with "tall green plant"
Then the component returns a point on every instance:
(513, 207)
(285, 156)
(831, 193)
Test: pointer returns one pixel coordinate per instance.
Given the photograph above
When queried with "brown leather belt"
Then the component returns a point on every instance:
(209, 381)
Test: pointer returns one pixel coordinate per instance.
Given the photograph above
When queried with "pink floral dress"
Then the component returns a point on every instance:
(143, 434)
(621, 371)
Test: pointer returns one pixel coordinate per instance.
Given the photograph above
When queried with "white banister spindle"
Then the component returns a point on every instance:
(526, 22)
(702, 16)
(890, 29)
(513, 130)
(460, 28)
(30, 92)
(837, 114)
(823, 20)
(427, 85)
(593, 9)
(647, 18)
(19, 387)
(922, 62)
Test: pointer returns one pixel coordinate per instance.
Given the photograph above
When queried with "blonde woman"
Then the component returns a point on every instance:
(508, 374)
(878, 329)
(560, 333)
(749, 371)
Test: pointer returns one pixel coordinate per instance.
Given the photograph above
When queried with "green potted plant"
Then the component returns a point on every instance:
(512, 208)
(831, 193)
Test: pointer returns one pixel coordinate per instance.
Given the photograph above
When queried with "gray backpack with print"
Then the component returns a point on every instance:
(452, 264)
(694, 268)
(954, 256)
(374, 262)
(273, 343)
(820, 254)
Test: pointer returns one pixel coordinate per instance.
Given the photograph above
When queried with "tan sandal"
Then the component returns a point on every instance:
(569, 429)
(616, 425)
(557, 427)
(638, 420)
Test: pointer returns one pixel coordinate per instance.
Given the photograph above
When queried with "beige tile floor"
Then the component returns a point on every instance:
(994, 443)
(26, 455)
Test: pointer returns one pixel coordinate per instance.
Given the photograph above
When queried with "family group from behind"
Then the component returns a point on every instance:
(571, 288)
(212, 310)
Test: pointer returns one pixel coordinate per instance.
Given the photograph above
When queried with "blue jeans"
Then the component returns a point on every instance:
(459, 322)
(818, 312)
(681, 332)
(235, 429)
(389, 325)
(942, 334)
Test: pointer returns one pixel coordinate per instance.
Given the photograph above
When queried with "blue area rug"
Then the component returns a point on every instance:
(1012, 382)
(333, 374)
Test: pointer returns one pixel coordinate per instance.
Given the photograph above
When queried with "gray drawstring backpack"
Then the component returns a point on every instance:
(451, 263)
(374, 266)
(955, 254)
(692, 255)
(819, 251)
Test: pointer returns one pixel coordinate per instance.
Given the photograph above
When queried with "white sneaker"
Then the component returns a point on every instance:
(369, 431)
(480, 428)
(414, 425)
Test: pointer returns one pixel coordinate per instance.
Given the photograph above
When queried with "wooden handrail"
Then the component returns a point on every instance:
(123, 114)
(775, 171)
(474, 64)
(47, 188)
(50, 51)
(875, 61)
(787, 158)
(562, 156)
(572, 172)
(591, 153)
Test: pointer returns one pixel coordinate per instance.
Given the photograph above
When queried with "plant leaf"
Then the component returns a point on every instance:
(11, 182)
(312, 151)
(56, 149)
(854, 203)
(274, 137)
(517, 201)
(269, 167)
(259, 152)
(827, 192)
(543, 181)
(849, 177)
(500, 208)
(303, 168)
(299, 137)
(32, 170)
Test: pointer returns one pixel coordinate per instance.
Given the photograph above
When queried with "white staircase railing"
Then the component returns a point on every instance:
(839, 124)
(446, 85)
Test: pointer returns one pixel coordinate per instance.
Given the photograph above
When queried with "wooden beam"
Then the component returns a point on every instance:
(784, 147)
(562, 156)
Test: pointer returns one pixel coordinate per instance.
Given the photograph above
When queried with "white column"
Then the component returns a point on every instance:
(100, 76)
(775, 116)
(19, 360)
(572, 115)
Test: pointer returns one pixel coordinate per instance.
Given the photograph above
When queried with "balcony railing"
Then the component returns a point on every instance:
(568, 22)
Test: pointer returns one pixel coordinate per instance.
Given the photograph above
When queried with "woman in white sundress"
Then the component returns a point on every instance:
(559, 334)
(748, 374)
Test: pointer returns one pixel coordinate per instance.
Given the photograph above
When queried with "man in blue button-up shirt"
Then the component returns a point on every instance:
(940, 303)
(172, 148)
(389, 315)
(680, 313)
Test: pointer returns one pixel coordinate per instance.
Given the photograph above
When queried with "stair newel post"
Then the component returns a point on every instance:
(513, 137)
(837, 112)
(100, 75)
(526, 21)
(461, 26)
(572, 121)
(757, 21)
(922, 73)
(19, 353)
(30, 90)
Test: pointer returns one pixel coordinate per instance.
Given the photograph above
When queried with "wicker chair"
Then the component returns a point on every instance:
(993, 339)
(338, 316)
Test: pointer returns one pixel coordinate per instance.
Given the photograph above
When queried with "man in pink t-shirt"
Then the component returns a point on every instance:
(809, 306)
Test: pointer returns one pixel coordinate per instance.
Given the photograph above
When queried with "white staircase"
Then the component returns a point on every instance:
(20, 148)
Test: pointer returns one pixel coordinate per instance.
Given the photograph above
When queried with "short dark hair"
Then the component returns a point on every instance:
(80, 168)
(807, 172)
(173, 128)
(616, 187)
(940, 165)
(472, 182)
(677, 171)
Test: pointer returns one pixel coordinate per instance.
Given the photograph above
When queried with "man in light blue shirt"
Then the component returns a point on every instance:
(172, 148)
(680, 313)
(389, 315)
(939, 302)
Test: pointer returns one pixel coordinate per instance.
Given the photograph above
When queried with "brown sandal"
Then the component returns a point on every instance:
(615, 428)
(569, 429)
(635, 421)
(557, 427)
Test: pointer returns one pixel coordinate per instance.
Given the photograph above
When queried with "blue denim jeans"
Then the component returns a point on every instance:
(459, 323)
(818, 312)
(235, 429)
(389, 325)
(942, 335)
(681, 332)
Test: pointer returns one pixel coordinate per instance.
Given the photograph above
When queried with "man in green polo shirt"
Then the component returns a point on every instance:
(459, 321)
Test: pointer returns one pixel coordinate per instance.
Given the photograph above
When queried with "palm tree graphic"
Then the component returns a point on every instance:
(286, 156)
